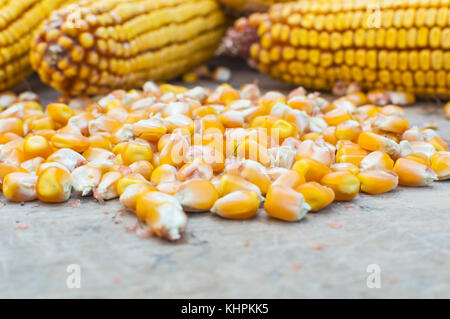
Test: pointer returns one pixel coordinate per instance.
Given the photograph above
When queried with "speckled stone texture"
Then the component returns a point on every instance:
(405, 232)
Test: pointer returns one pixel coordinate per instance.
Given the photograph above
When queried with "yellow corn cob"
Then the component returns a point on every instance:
(119, 43)
(18, 20)
(390, 44)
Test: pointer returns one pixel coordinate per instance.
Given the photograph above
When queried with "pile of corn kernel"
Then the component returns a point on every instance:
(166, 150)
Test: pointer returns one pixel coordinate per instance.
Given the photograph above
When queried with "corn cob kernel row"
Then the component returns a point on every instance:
(395, 45)
(18, 20)
(120, 44)
(165, 151)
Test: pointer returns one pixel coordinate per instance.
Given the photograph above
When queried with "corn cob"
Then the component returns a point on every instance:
(244, 6)
(18, 20)
(395, 45)
(119, 43)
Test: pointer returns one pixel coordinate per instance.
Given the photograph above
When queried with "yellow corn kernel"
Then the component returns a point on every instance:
(290, 178)
(316, 196)
(174, 151)
(348, 130)
(329, 135)
(94, 153)
(100, 141)
(20, 187)
(376, 161)
(419, 158)
(232, 118)
(252, 171)
(390, 109)
(349, 152)
(128, 180)
(6, 169)
(107, 188)
(85, 179)
(195, 169)
(269, 99)
(365, 112)
(202, 111)
(375, 142)
(447, 110)
(45, 123)
(284, 129)
(349, 167)
(344, 184)
(118, 148)
(438, 143)
(237, 205)
(36, 145)
(311, 170)
(358, 98)
(378, 181)
(249, 148)
(67, 157)
(54, 185)
(164, 174)
(285, 203)
(59, 112)
(230, 183)
(337, 116)
(46, 165)
(8, 137)
(301, 104)
(144, 168)
(32, 165)
(197, 195)
(440, 164)
(47, 134)
(310, 136)
(11, 125)
(76, 142)
(149, 130)
(411, 173)
(393, 124)
(132, 192)
(133, 152)
(162, 213)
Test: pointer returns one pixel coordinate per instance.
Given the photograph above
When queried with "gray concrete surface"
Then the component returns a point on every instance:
(405, 232)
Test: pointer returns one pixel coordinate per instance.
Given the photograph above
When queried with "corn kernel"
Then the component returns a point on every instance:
(411, 173)
(134, 152)
(59, 112)
(231, 183)
(162, 213)
(84, 179)
(128, 180)
(20, 187)
(344, 184)
(316, 196)
(129, 197)
(377, 181)
(440, 164)
(36, 145)
(311, 170)
(285, 203)
(197, 195)
(376, 161)
(54, 185)
(237, 205)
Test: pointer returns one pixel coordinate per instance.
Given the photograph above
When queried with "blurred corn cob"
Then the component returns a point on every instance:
(396, 45)
(121, 44)
(246, 6)
(18, 19)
